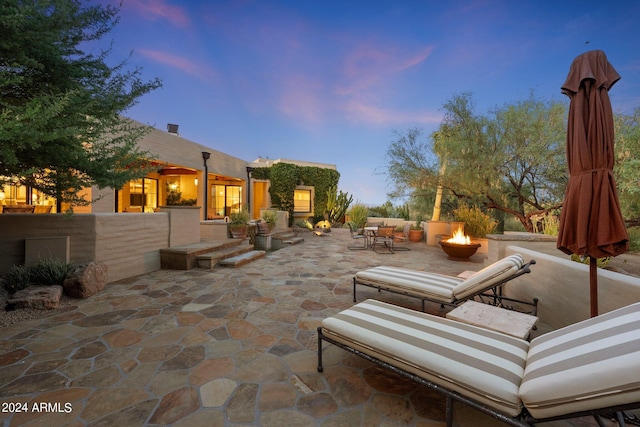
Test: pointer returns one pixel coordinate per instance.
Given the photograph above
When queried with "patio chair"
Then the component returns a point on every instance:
(589, 368)
(356, 236)
(485, 284)
(383, 238)
(403, 238)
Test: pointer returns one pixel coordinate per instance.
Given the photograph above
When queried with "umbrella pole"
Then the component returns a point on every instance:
(593, 285)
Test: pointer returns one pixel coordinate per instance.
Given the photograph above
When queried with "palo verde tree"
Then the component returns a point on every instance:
(627, 168)
(61, 123)
(512, 160)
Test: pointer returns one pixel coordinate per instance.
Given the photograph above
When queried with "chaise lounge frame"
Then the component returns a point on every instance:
(523, 419)
(490, 292)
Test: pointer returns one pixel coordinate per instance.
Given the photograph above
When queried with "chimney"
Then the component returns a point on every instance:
(172, 129)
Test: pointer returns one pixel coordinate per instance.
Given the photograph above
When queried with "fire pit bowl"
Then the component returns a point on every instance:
(459, 252)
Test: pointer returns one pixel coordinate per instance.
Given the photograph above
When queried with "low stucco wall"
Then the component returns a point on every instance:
(128, 243)
(183, 224)
(562, 286)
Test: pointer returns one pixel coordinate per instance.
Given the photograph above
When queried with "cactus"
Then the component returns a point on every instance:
(337, 204)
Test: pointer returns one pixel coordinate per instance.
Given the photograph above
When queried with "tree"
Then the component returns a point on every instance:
(627, 168)
(512, 160)
(411, 162)
(61, 123)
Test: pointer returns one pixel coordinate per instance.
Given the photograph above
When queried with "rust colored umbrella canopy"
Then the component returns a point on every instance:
(591, 222)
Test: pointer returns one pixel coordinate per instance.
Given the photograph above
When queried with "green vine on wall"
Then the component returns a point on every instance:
(285, 177)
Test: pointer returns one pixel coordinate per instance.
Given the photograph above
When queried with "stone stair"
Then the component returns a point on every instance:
(229, 256)
(206, 254)
(238, 260)
(280, 240)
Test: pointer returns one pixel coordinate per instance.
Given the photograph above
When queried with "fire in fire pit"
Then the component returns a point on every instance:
(459, 247)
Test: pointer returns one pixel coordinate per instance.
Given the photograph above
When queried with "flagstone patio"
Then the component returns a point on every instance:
(220, 347)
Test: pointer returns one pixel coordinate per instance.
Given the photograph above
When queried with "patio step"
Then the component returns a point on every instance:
(210, 259)
(185, 257)
(283, 239)
(242, 259)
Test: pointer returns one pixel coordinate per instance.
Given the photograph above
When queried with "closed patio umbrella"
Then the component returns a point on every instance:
(591, 222)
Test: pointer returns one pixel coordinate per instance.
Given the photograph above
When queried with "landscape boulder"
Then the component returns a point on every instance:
(38, 297)
(85, 280)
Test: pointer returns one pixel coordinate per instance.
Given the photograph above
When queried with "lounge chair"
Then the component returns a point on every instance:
(588, 368)
(447, 290)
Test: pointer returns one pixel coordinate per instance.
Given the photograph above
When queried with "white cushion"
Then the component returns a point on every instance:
(488, 276)
(439, 287)
(589, 365)
(433, 286)
(484, 365)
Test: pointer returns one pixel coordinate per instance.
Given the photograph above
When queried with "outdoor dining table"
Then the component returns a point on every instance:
(370, 233)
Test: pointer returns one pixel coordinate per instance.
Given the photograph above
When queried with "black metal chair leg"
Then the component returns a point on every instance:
(354, 289)
(320, 368)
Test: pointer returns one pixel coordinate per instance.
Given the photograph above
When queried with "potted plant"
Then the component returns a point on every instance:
(416, 231)
(238, 224)
(268, 222)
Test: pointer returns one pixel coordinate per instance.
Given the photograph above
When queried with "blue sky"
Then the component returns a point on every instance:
(329, 81)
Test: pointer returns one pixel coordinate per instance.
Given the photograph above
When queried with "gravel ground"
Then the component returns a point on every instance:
(625, 264)
(8, 318)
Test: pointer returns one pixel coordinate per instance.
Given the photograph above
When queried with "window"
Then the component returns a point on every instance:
(225, 199)
(302, 200)
(143, 194)
(234, 198)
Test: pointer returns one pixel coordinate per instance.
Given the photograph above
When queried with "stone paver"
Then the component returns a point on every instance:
(220, 347)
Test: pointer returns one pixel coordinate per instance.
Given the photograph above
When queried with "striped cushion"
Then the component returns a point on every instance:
(488, 276)
(484, 365)
(588, 365)
(437, 287)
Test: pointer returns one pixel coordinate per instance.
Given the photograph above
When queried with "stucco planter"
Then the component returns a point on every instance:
(263, 242)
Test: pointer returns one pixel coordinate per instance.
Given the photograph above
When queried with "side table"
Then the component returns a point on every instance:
(494, 318)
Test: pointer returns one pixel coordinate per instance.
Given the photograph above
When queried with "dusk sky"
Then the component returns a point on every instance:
(329, 81)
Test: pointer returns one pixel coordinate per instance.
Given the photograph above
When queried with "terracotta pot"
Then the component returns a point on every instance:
(264, 228)
(238, 231)
(415, 235)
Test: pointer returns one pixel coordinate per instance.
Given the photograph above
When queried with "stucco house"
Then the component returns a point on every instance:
(188, 173)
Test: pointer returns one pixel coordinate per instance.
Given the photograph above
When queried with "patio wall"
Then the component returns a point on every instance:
(128, 243)
(562, 286)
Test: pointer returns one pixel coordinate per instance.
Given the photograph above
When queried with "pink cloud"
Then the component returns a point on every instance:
(356, 91)
(368, 113)
(154, 9)
(181, 63)
(368, 65)
(417, 58)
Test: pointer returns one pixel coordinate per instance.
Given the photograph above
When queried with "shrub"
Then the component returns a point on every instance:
(600, 262)
(476, 223)
(239, 218)
(358, 214)
(417, 225)
(634, 239)
(44, 272)
(269, 217)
